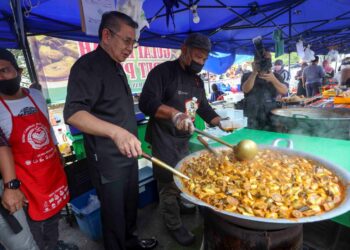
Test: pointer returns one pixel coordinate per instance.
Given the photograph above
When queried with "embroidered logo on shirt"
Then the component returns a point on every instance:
(179, 92)
(36, 135)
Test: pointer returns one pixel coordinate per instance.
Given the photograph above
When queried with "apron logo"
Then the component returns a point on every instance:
(36, 135)
(179, 92)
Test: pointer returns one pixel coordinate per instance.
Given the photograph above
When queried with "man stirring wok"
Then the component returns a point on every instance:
(172, 95)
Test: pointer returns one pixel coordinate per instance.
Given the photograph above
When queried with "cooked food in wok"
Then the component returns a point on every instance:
(272, 185)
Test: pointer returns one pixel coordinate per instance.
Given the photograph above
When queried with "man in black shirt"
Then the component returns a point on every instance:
(260, 91)
(172, 95)
(100, 104)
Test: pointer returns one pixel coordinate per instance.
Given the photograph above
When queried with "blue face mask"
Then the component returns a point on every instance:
(11, 86)
(194, 67)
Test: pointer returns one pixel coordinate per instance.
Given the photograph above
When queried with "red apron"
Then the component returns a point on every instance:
(37, 164)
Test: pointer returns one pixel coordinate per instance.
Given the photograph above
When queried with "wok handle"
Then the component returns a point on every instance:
(206, 145)
(290, 144)
(213, 137)
(164, 165)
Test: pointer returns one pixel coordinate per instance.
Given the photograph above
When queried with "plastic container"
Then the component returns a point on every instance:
(74, 131)
(148, 192)
(89, 222)
(63, 144)
(78, 145)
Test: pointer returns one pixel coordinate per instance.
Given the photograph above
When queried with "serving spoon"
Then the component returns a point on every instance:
(245, 149)
(164, 165)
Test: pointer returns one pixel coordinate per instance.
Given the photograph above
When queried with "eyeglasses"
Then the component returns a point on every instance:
(127, 41)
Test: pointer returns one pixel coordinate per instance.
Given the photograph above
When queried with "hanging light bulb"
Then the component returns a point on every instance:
(196, 18)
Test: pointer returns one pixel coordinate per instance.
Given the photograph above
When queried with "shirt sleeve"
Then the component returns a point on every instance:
(82, 91)
(244, 78)
(206, 111)
(3, 139)
(153, 91)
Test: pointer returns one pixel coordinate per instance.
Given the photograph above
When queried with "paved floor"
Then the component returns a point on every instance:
(317, 236)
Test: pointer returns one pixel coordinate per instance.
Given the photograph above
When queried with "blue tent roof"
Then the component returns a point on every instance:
(231, 24)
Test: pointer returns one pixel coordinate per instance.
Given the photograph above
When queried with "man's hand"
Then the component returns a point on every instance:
(183, 122)
(13, 200)
(255, 67)
(127, 143)
(269, 77)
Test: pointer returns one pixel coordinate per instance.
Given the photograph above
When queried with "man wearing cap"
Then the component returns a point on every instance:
(312, 78)
(172, 95)
(279, 69)
(30, 162)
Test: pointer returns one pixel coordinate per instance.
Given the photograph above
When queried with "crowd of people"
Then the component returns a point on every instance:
(101, 106)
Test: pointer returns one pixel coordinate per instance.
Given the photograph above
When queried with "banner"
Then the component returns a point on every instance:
(54, 57)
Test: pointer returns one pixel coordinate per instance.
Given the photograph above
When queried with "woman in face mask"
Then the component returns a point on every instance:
(30, 164)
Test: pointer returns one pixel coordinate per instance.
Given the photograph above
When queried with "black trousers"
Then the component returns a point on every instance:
(45, 232)
(119, 210)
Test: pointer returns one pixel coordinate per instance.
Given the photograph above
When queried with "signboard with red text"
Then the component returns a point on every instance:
(53, 58)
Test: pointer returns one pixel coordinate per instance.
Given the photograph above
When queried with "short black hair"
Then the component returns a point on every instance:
(112, 19)
(316, 59)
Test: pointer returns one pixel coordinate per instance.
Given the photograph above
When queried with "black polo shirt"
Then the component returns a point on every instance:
(161, 85)
(97, 84)
(261, 86)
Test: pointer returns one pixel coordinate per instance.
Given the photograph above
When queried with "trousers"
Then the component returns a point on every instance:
(23, 240)
(118, 200)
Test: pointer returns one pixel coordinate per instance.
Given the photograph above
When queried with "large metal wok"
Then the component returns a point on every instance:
(259, 223)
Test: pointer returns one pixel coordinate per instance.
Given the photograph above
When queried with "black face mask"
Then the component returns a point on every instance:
(194, 67)
(10, 87)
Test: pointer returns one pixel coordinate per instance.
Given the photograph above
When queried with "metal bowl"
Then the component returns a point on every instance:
(260, 223)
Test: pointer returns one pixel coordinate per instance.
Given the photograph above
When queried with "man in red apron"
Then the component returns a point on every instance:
(33, 173)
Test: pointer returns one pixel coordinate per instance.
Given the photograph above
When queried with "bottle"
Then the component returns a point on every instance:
(63, 144)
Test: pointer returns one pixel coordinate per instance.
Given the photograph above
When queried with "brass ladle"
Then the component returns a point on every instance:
(245, 149)
(164, 165)
(206, 145)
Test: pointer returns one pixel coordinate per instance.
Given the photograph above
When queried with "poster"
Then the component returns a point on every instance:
(54, 57)
(92, 11)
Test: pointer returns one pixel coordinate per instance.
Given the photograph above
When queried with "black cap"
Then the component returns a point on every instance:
(279, 62)
(199, 41)
(8, 56)
(316, 59)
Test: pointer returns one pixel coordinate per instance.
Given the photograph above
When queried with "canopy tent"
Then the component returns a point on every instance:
(231, 24)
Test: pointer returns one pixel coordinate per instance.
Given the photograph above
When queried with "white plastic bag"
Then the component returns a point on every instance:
(309, 54)
(332, 55)
(133, 8)
(300, 49)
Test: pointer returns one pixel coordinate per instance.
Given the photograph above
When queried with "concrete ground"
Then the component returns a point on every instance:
(317, 236)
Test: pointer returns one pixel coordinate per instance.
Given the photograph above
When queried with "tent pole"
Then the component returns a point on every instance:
(21, 35)
(289, 34)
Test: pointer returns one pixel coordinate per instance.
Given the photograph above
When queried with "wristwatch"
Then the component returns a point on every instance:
(13, 184)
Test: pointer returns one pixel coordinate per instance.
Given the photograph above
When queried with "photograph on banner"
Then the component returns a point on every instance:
(54, 57)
